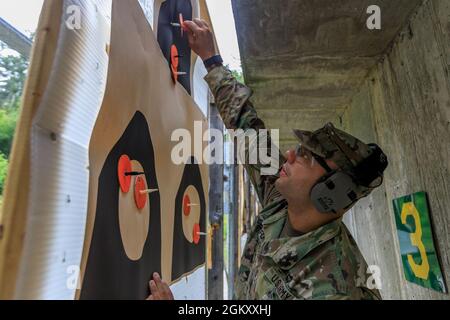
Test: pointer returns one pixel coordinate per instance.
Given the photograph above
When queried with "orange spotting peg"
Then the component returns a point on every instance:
(183, 27)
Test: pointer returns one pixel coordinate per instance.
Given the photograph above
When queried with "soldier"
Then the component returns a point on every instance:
(298, 247)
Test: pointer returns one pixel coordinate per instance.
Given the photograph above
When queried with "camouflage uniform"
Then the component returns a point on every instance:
(323, 264)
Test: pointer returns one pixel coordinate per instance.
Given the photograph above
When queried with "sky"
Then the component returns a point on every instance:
(24, 16)
(224, 28)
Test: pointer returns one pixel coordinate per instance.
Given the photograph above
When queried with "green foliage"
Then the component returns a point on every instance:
(238, 75)
(13, 71)
(8, 119)
(3, 171)
(12, 78)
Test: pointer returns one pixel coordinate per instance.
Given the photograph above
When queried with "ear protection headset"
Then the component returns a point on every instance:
(338, 190)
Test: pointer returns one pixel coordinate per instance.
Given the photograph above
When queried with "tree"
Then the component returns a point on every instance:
(238, 75)
(8, 119)
(13, 71)
(12, 78)
(3, 171)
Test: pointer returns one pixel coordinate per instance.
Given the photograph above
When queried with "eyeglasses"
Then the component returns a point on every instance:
(308, 157)
(303, 153)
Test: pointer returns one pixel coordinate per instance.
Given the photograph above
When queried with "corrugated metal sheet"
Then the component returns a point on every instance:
(59, 143)
(60, 137)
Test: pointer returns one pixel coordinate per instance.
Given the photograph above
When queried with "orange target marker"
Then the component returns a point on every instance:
(186, 205)
(196, 233)
(123, 167)
(174, 56)
(140, 197)
(174, 62)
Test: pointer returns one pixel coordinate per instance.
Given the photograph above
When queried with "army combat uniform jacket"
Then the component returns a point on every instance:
(323, 264)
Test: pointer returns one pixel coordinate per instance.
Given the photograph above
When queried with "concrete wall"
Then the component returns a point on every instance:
(404, 105)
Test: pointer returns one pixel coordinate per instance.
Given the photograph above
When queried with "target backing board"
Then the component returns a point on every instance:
(92, 190)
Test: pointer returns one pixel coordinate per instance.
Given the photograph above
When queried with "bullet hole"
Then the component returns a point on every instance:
(68, 199)
(53, 136)
(410, 33)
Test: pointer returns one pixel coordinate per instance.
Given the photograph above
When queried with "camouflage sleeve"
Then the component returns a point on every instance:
(237, 112)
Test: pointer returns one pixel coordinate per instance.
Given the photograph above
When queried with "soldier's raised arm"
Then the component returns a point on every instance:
(237, 112)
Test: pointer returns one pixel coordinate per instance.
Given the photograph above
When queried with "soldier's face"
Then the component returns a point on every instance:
(299, 174)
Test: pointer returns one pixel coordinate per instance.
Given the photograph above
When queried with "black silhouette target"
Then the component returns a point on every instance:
(169, 35)
(109, 273)
(188, 255)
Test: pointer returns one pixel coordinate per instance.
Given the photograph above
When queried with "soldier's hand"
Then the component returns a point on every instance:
(200, 37)
(159, 289)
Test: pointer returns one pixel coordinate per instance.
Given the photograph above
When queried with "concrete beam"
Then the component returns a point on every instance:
(15, 39)
(311, 55)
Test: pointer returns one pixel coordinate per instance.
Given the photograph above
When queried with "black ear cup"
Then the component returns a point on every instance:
(337, 190)
(333, 192)
(372, 167)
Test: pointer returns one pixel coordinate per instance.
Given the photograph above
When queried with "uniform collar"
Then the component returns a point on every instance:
(286, 252)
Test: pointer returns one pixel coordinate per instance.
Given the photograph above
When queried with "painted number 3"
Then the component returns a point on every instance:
(420, 270)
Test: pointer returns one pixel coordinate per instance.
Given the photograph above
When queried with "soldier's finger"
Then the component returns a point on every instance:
(201, 23)
(158, 281)
(153, 288)
(198, 22)
(191, 27)
(167, 292)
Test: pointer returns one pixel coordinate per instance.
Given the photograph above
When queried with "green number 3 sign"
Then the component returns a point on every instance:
(421, 270)
(418, 254)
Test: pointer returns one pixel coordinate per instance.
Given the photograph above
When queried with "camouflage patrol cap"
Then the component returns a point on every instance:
(343, 149)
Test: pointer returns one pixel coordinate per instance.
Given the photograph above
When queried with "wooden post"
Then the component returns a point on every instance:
(248, 203)
(233, 225)
(215, 273)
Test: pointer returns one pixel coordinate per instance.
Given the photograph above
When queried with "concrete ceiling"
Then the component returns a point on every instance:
(305, 59)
